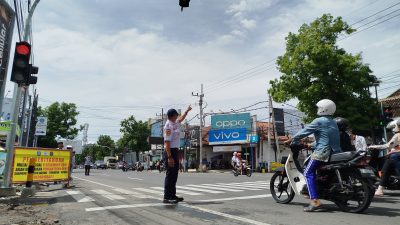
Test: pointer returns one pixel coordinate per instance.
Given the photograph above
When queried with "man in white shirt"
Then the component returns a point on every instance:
(359, 142)
(171, 145)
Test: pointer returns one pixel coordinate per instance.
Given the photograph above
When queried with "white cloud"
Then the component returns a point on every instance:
(248, 23)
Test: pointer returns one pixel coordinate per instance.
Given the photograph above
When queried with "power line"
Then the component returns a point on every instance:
(375, 14)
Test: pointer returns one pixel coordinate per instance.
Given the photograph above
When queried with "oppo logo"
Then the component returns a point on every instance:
(230, 123)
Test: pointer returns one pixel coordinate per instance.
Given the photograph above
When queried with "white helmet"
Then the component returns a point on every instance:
(396, 128)
(326, 107)
(235, 153)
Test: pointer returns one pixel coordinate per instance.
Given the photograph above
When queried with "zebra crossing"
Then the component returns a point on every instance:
(202, 190)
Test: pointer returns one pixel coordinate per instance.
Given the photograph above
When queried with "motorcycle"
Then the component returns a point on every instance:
(246, 169)
(139, 167)
(376, 164)
(343, 180)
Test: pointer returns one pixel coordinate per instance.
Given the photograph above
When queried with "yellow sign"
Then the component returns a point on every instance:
(51, 164)
(276, 165)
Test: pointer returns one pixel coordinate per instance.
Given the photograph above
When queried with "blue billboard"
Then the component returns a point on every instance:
(227, 136)
(231, 121)
(156, 129)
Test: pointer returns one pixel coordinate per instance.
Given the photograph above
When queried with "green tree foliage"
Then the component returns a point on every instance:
(134, 135)
(104, 146)
(314, 68)
(61, 123)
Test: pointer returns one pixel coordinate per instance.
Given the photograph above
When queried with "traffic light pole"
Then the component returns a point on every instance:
(384, 124)
(6, 188)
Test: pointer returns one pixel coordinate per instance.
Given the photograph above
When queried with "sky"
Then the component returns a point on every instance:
(129, 57)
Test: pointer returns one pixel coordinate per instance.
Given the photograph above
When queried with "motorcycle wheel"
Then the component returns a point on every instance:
(362, 197)
(248, 172)
(280, 188)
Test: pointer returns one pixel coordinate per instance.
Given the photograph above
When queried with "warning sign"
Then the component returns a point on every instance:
(51, 164)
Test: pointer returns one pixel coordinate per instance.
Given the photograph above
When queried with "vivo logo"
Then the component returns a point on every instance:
(230, 123)
(226, 135)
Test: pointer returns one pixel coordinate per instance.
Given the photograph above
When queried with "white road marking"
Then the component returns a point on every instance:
(199, 189)
(179, 191)
(79, 196)
(123, 207)
(237, 198)
(215, 188)
(128, 192)
(228, 216)
(149, 191)
(134, 178)
(107, 194)
(233, 187)
(107, 175)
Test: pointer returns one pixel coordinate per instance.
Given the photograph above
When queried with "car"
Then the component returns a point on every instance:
(100, 164)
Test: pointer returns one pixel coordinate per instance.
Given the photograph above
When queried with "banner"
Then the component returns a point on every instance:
(51, 165)
(227, 136)
(3, 156)
(5, 128)
(229, 148)
(231, 121)
(6, 31)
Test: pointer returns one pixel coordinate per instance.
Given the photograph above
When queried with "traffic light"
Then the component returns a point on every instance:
(386, 116)
(22, 71)
(21, 68)
(184, 4)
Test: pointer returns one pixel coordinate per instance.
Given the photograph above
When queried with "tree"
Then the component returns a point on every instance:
(61, 123)
(314, 68)
(134, 135)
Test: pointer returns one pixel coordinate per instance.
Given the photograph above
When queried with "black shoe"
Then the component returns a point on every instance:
(170, 201)
(179, 199)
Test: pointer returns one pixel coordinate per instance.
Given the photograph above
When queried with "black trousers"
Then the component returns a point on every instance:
(389, 168)
(171, 175)
(87, 170)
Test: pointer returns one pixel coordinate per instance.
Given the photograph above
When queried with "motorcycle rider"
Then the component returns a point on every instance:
(393, 160)
(239, 162)
(345, 140)
(327, 140)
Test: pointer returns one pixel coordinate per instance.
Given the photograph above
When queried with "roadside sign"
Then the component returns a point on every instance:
(227, 136)
(51, 165)
(41, 126)
(254, 139)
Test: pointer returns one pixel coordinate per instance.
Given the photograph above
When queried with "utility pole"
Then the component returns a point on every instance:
(384, 124)
(276, 144)
(161, 131)
(17, 99)
(269, 133)
(201, 96)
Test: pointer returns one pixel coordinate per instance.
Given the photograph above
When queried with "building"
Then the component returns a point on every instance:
(393, 101)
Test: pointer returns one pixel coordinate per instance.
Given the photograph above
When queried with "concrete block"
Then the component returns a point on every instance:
(7, 191)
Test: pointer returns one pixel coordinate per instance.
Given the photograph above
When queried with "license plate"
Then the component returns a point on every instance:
(367, 171)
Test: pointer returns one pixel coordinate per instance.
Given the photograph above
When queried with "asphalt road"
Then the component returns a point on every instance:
(116, 197)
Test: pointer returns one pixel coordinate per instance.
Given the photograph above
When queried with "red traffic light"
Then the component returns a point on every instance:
(23, 49)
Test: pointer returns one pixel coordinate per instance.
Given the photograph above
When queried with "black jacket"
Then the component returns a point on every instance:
(345, 142)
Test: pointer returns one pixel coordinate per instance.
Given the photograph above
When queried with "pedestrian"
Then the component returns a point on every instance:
(60, 145)
(171, 153)
(88, 162)
(358, 142)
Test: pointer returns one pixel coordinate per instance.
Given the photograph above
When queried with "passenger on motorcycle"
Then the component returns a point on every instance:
(345, 140)
(239, 164)
(393, 159)
(327, 140)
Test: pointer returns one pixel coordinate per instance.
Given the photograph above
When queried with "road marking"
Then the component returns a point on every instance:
(123, 207)
(233, 187)
(134, 178)
(94, 182)
(107, 175)
(215, 188)
(237, 198)
(228, 216)
(199, 189)
(107, 194)
(178, 191)
(80, 197)
(149, 191)
(127, 192)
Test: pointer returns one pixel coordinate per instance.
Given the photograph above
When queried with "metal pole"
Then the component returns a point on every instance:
(201, 127)
(21, 136)
(269, 134)
(29, 121)
(384, 125)
(11, 137)
(162, 133)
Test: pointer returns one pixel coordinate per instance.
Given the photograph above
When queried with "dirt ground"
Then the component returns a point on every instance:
(13, 214)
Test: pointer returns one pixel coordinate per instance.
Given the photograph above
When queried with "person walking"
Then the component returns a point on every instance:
(171, 146)
(88, 162)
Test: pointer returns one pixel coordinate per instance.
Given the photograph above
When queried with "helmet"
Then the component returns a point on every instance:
(69, 146)
(326, 107)
(342, 123)
(235, 153)
(396, 128)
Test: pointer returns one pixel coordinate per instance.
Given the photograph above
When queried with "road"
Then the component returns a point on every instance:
(115, 197)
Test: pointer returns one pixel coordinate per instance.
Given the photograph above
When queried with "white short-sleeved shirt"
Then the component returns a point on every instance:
(172, 133)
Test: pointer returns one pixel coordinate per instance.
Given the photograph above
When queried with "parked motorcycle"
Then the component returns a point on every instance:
(377, 161)
(343, 180)
(246, 169)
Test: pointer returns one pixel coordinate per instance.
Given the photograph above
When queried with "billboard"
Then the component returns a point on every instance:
(6, 31)
(231, 121)
(51, 165)
(3, 156)
(227, 136)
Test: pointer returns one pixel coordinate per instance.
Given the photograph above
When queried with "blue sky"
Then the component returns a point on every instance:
(123, 57)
